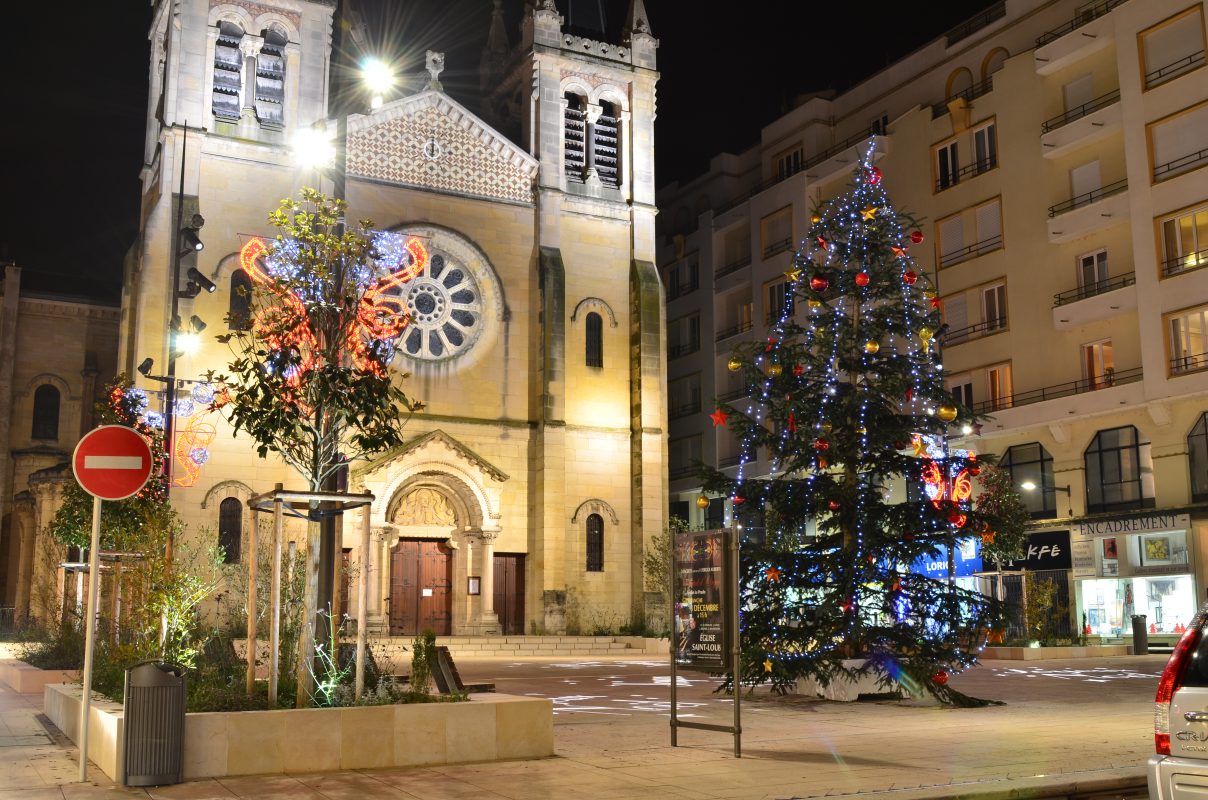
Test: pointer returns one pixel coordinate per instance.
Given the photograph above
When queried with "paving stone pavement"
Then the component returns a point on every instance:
(1067, 727)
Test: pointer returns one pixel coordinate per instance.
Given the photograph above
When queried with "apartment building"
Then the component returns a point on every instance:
(1053, 153)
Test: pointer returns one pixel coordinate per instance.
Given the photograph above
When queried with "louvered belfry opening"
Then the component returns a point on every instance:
(228, 63)
(607, 145)
(270, 79)
(575, 138)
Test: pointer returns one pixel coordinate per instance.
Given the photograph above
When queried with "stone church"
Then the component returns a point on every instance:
(530, 486)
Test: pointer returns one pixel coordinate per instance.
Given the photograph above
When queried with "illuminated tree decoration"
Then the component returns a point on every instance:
(824, 454)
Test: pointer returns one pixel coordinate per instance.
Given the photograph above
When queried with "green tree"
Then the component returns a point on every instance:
(1002, 506)
(846, 405)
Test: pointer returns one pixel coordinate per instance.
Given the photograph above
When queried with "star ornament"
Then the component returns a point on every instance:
(869, 213)
(898, 252)
(773, 574)
(719, 418)
(793, 275)
(767, 665)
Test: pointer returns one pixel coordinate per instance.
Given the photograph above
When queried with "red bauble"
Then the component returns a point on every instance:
(935, 302)
(822, 242)
(819, 283)
(909, 277)
(846, 606)
(975, 471)
(798, 370)
(821, 444)
(940, 677)
(874, 176)
(738, 500)
(833, 505)
(792, 423)
(916, 237)
(909, 395)
(862, 279)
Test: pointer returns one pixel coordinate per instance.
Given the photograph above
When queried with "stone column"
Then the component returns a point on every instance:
(382, 547)
(590, 118)
(249, 47)
(488, 535)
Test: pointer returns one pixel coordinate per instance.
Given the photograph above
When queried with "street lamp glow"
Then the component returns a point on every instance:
(313, 148)
(378, 79)
(1028, 486)
(188, 343)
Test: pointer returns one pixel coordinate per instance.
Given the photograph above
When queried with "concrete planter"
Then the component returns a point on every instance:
(489, 727)
(24, 679)
(999, 653)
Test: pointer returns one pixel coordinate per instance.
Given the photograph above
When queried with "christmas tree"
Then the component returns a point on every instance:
(848, 403)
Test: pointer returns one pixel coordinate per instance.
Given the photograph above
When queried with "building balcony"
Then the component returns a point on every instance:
(733, 330)
(686, 410)
(1082, 125)
(681, 350)
(1188, 262)
(967, 171)
(775, 248)
(678, 473)
(976, 23)
(968, 95)
(976, 331)
(1088, 212)
(1187, 163)
(729, 461)
(1057, 391)
(971, 252)
(1083, 35)
(732, 267)
(1095, 301)
(736, 394)
(1187, 364)
(678, 290)
(836, 160)
(1174, 69)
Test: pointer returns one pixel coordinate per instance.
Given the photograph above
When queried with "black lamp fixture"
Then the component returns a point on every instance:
(145, 367)
(197, 324)
(196, 283)
(190, 241)
(1029, 486)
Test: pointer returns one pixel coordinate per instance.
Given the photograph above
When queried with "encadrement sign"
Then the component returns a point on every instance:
(1152, 522)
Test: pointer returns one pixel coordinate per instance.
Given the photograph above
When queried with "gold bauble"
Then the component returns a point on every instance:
(702, 502)
(871, 347)
(734, 365)
(926, 333)
(815, 219)
(946, 413)
(812, 303)
(860, 431)
(774, 370)
(825, 427)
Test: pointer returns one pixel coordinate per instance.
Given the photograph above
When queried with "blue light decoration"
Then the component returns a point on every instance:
(153, 420)
(199, 455)
(184, 407)
(203, 393)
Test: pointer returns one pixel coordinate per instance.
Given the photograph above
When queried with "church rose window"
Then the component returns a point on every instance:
(446, 311)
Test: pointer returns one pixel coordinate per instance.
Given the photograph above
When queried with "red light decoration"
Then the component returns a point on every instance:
(194, 436)
(942, 491)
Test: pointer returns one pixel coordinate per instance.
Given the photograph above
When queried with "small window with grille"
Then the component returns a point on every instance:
(595, 543)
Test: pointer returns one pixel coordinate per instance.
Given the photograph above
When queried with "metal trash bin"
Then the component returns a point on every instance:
(1140, 635)
(154, 728)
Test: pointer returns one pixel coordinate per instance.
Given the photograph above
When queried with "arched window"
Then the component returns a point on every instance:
(994, 61)
(595, 340)
(1197, 459)
(228, 71)
(230, 530)
(239, 317)
(46, 413)
(1032, 464)
(1119, 471)
(595, 543)
(606, 136)
(270, 79)
(574, 138)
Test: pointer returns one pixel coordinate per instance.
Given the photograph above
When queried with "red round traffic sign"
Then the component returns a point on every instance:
(112, 462)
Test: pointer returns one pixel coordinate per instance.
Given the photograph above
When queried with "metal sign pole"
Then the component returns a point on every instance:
(735, 638)
(674, 618)
(94, 585)
(275, 622)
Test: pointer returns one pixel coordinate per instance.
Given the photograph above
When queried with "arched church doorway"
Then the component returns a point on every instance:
(421, 587)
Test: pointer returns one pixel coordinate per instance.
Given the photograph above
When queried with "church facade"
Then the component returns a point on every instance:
(532, 483)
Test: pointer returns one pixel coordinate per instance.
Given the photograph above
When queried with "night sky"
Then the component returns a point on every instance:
(76, 95)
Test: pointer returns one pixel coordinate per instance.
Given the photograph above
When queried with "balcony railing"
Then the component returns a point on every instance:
(1184, 263)
(1092, 289)
(976, 168)
(1084, 16)
(972, 251)
(777, 247)
(1086, 199)
(728, 461)
(680, 350)
(1181, 365)
(1059, 390)
(972, 93)
(737, 394)
(838, 147)
(974, 24)
(1078, 112)
(1180, 165)
(733, 266)
(676, 290)
(675, 473)
(733, 330)
(1174, 70)
(687, 410)
(977, 331)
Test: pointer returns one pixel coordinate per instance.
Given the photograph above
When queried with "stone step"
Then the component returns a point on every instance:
(518, 646)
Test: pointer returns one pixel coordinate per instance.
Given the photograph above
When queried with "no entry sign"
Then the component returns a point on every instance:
(112, 462)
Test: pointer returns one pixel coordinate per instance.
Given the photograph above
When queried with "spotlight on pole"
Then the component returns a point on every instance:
(202, 281)
(145, 367)
(197, 324)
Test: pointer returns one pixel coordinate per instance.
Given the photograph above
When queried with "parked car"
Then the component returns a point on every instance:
(1179, 768)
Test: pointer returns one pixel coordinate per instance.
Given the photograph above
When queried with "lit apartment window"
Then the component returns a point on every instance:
(961, 387)
(1197, 459)
(1098, 367)
(778, 300)
(1092, 273)
(1031, 463)
(988, 301)
(985, 148)
(270, 79)
(947, 165)
(1184, 241)
(994, 307)
(1188, 340)
(998, 387)
(1119, 471)
(1173, 47)
(776, 231)
(228, 71)
(970, 233)
(971, 153)
(1179, 143)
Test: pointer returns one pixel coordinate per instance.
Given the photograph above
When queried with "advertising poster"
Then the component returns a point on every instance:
(700, 630)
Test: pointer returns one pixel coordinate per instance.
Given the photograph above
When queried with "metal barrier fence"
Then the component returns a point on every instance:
(1011, 587)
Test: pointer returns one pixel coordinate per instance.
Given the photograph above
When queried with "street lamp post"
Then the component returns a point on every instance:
(1029, 486)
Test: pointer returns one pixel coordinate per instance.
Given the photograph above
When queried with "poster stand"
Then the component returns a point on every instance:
(704, 618)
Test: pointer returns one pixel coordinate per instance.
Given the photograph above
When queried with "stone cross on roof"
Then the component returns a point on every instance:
(435, 64)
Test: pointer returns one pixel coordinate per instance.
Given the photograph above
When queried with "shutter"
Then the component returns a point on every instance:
(952, 236)
(1174, 42)
(956, 315)
(1085, 179)
(989, 222)
(1180, 137)
(1078, 92)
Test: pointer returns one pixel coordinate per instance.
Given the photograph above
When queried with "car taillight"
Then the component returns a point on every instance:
(1171, 679)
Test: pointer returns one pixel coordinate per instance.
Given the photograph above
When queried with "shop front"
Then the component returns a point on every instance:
(1136, 565)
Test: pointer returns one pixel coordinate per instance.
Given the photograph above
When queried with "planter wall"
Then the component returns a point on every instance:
(489, 727)
(1042, 653)
(24, 679)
